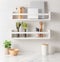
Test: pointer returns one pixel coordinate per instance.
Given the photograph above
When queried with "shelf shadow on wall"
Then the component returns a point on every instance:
(42, 5)
(46, 6)
(55, 16)
(57, 49)
(55, 36)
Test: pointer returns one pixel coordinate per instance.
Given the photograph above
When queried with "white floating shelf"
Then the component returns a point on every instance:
(31, 38)
(47, 33)
(33, 19)
(20, 14)
(28, 14)
(32, 15)
(30, 32)
(44, 13)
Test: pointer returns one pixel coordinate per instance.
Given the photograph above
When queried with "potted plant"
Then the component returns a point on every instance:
(24, 26)
(18, 24)
(7, 45)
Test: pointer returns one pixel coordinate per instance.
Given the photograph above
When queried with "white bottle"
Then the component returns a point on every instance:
(21, 30)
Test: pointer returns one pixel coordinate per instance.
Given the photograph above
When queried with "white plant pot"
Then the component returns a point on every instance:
(6, 51)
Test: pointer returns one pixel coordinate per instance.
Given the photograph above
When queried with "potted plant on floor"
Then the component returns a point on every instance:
(7, 46)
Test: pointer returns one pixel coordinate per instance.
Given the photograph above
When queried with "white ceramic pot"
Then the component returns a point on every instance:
(6, 51)
(44, 49)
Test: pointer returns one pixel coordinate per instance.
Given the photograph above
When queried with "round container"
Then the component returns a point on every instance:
(13, 52)
(21, 10)
(44, 49)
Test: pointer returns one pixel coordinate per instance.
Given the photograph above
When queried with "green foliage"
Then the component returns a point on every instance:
(7, 44)
(24, 25)
(18, 24)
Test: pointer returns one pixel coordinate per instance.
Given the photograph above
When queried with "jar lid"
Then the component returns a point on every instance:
(45, 44)
(22, 7)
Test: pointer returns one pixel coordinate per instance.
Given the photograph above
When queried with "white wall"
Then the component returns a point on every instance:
(6, 24)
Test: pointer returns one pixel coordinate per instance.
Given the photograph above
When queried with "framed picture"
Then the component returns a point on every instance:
(39, 5)
(32, 13)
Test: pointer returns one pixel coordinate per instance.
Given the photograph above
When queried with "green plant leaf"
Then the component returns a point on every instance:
(7, 44)
(24, 25)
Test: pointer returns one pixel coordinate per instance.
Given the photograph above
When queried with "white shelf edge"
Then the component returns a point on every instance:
(28, 14)
(33, 19)
(49, 15)
(31, 38)
(43, 14)
(29, 32)
(20, 14)
(46, 32)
